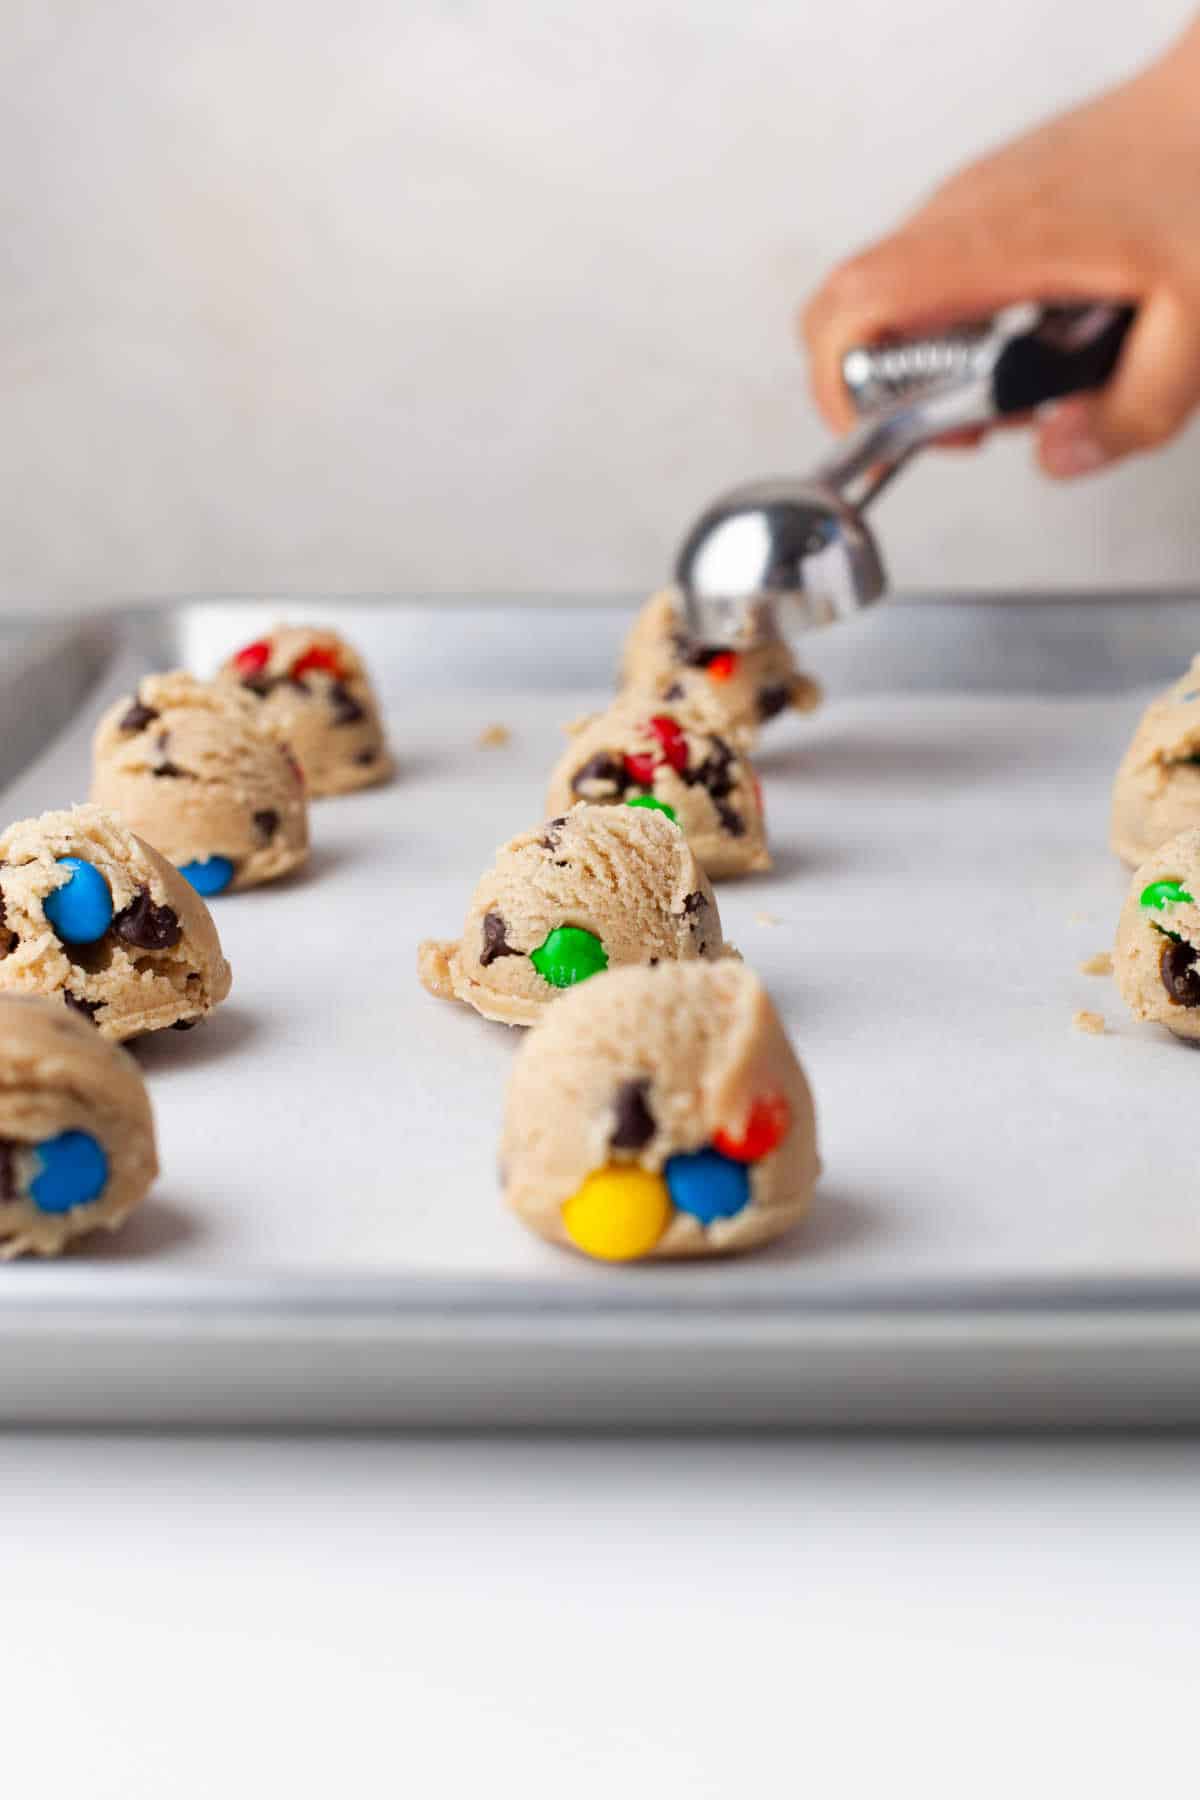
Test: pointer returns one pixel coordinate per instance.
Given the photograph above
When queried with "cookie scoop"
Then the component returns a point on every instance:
(187, 766)
(93, 918)
(587, 891)
(660, 1113)
(1158, 938)
(314, 694)
(642, 751)
(735, 687)
(1156, 793)
(77, 1147)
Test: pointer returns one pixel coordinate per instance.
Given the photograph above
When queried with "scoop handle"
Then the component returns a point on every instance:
(1020, 359)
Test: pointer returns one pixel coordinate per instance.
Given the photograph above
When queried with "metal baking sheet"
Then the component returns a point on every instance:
(1008, 1229)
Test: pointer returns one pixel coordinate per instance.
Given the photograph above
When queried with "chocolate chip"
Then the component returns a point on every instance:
(365, 758)
(674, 692)
(1179, 976)
(266, 823)
(296, 681)
(694, 904)
(260, 685)
(185, 1025)
(697, 656)
(346, 709)
(8, 1170)
(138, 717)
(599, 774)
(634, 1122)
(88, 1008)
(147, 926)
(549, 839)
(8, 939)
(495, 942)
(166, 767)
(773, 699)
(717, 773)
(731, 822)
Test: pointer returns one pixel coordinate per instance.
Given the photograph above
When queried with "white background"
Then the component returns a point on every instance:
(296, 295)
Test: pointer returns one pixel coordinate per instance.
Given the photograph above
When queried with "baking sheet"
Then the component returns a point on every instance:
(328, 1139)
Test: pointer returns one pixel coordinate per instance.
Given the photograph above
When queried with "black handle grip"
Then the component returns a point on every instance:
(1072, 349)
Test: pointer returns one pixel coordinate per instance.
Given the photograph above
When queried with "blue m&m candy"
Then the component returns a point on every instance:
(72, 1170)
(212, 876)
(81, 910)
(707, 1185)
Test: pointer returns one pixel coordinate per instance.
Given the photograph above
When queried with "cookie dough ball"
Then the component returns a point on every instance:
(1156, 793)
(186, 766)
(660, 1112)
(642, 749)
(1158, 938)
(313, 693)
(76, 1134)
(740, 685)
(93, 917)
(585, 892)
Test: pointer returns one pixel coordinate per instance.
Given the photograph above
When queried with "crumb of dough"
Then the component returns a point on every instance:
(1091, 1022)
(766, 918)
(493, 737)
(1100, 964)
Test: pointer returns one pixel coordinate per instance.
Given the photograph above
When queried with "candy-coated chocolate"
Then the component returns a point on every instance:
(253, 659)
(707, 1185)
(1164, 893)
(674, 744)
(723, 666)
(569, 955)
(639, 766)
(317, 658)
(212, 876)
(72, 1170)
(653, 805)
(618, 1214)
(80, 911)
(768, 1124)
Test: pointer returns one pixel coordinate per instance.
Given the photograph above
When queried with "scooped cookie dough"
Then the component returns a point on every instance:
(94, 918)
(640, 750)
(76, 1134)
(1156, 793)
(740, 686)
(187, 767)
(1158, 938)
(595, 888)
(657, 1113)
(314, 694)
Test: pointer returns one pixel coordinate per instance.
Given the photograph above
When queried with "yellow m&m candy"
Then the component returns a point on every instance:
(618, 1214)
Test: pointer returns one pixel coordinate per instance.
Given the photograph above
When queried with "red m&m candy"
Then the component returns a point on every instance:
(769, 1122)
(674, 744)
(317, 658)
(640, 768)
(253, 659)
(723, 665)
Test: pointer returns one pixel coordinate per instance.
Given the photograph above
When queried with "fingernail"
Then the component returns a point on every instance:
(1075, 453)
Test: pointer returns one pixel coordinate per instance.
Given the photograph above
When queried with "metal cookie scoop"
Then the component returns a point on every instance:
(799, 553)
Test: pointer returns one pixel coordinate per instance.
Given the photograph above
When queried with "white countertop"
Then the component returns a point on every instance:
(205, 1617)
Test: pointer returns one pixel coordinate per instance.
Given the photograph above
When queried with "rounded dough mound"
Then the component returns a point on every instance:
(643, 746)
(736, 688)
(643, 1065)
(159, 963)
(187, 767)
(1155, 959)
(57, 1075)
(624, 874)
(314, 694)
(1156, 793)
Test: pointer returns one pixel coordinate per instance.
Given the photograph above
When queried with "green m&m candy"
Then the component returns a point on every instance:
(569, 955)
(1164, 893)
(653, 805)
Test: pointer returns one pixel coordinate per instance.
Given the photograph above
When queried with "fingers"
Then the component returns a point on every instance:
(1151, 396)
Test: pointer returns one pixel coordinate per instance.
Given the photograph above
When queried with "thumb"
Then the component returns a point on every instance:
(1150, 398)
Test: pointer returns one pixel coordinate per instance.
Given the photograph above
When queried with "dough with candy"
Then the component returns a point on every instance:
(1155, 961)
(314, 694)
(77, 1147)
(1156, 793)
(658, 1113)
(589, 890)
